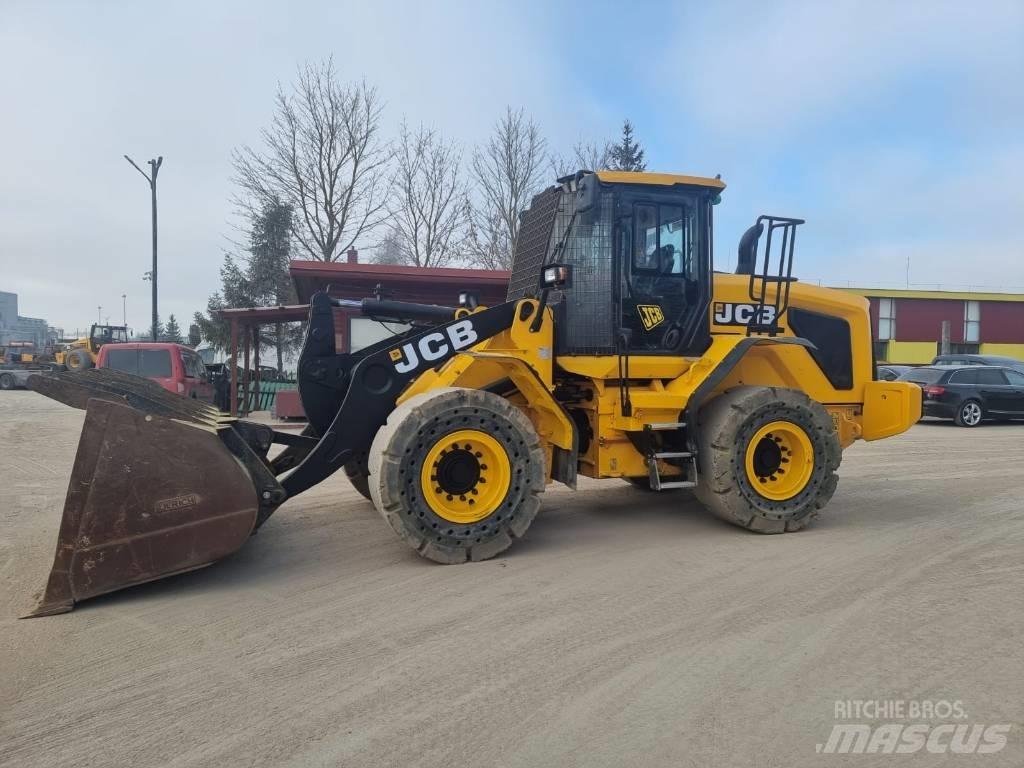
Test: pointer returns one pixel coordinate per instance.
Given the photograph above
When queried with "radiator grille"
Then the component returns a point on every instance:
(532, 244)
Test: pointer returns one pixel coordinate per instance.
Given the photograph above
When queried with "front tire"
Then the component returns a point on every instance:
(6, 381)
(457, 473)
(78, 360)
(768, 458)
(969, 414)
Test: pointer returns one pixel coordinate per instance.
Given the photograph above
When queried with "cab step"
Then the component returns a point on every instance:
(657, 484)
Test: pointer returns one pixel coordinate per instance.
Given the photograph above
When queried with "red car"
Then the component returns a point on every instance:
(174, 367)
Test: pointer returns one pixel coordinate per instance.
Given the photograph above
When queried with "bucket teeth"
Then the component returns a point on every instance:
(76, 388)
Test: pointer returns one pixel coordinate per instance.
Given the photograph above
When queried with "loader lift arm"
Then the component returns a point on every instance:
(369, 383)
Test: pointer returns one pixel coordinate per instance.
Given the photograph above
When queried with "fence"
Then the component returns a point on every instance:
(264, 399)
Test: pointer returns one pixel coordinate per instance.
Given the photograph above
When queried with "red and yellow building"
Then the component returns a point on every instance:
(908, 324)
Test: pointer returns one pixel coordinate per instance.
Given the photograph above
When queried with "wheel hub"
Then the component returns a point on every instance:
(779, 460)
(465, 476)
(457, 471)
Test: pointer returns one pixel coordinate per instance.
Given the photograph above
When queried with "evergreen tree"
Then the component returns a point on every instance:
(261, 280)
(172, 332)
(627, 155)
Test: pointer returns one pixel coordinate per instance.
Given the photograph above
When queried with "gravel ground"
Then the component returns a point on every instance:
(627, 629)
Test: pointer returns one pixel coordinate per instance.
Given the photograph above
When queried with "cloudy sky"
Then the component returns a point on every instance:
(895, 129)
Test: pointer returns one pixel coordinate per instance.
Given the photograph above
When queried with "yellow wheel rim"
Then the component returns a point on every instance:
(465, 476)
(779, 460)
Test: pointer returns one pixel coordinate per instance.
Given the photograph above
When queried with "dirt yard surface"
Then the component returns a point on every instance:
(627, 628)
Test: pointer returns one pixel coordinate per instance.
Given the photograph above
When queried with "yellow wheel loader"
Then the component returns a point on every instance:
(81, 354)
(619, 354)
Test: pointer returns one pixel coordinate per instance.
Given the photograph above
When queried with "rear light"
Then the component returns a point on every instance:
(181, 388)
(933, 390)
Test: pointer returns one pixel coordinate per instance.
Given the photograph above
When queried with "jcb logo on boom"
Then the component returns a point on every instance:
(433, 346)
(743, 314)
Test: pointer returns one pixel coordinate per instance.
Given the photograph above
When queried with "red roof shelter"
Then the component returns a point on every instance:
(424, 285)
(353, 280)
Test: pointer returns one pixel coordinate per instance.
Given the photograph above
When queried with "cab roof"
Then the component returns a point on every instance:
(658, 179)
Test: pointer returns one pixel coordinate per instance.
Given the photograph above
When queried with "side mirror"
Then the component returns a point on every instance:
(468, 300)
(588, 192)
(555, 276)
(748, 250)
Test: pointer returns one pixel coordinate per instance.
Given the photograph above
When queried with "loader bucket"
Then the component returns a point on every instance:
(155, 489)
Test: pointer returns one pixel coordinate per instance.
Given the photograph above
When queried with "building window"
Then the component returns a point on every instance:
(886, 319)
(972, 322)
(882, 351)
(959, 349)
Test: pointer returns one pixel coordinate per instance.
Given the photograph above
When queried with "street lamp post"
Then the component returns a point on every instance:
(124, 309)
(154, 169)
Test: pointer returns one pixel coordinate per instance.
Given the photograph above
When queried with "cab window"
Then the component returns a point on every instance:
(663, 240)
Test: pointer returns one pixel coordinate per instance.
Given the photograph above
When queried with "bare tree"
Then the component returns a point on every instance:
(427, 213)
(585, 156)
(323, 156)
(507, 171)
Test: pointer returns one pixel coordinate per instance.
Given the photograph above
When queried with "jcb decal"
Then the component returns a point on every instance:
(742, 314)
(650, 315)
(433, 346)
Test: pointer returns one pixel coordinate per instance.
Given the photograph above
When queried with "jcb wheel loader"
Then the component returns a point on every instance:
(81, 354)
(618, 354)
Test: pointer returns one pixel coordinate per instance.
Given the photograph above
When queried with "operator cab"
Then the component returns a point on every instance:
(639, 245)
(107, 334)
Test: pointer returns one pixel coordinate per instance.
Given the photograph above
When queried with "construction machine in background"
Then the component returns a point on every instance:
(80, 354)
(619, 354)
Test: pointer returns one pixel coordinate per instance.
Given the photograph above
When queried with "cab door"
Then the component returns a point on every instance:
(661, 257)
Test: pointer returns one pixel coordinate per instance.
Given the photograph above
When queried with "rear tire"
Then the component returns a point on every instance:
(78, 360)
(969, 414)
(457, 473)
(768, 458)
(6, 381)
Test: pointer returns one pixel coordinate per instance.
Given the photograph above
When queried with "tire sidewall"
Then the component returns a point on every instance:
(6, 381)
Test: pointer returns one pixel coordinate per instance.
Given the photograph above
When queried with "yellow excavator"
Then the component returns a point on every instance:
(619, 353)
